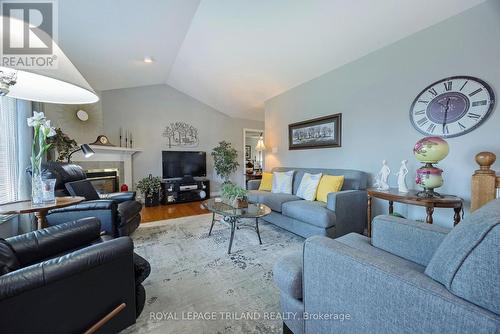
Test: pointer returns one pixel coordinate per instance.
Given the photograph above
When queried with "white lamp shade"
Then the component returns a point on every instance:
(63, 84)
(260, 145)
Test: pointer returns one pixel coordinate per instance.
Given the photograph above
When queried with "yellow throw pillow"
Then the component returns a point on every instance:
(329, 184)
(266, 184)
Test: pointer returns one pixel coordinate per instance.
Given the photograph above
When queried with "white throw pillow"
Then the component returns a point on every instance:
(282, 182)
(308, 186)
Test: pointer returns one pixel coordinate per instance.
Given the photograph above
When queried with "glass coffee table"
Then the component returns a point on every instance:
(233, 215)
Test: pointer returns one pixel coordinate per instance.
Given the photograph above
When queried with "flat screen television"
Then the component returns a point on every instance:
(177, 164)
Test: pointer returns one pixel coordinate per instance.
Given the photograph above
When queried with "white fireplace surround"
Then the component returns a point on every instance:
(114, 154)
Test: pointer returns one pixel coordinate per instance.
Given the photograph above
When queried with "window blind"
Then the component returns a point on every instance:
(9, 174)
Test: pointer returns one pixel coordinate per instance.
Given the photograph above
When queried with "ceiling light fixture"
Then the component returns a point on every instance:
(148, 60)
(59, 84)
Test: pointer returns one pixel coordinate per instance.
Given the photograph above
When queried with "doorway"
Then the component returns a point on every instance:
(253, 154)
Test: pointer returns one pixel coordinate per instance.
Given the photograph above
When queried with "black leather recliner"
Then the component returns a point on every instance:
(119, 213)
(65, 278)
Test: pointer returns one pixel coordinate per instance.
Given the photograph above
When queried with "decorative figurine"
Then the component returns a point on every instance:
(381, 180)
(403, 171)
(430, 150)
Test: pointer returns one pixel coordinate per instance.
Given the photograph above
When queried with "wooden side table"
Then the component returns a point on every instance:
(393, 195)
(40, 211)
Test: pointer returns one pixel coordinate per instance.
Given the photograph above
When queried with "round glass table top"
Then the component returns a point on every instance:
(253, 210)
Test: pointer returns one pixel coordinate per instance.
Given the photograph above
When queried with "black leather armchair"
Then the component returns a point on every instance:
(64, 279)
(119, 213)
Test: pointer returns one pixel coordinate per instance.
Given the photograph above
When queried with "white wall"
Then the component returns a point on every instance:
(146, 111)
(375, 93)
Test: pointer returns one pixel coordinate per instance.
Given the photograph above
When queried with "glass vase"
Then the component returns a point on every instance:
(36, 183)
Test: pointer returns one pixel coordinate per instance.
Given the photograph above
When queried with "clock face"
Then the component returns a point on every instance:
(103, 140)
(452, 107)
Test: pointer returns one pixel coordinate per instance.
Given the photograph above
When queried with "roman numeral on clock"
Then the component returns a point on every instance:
(473, 115)
(448, 85)
(431, 128)
(479, 103)
(420, 112)
(422, 121)
(423, 101)
(433, 91)
(475, 92)
(462, 127)
(446, 130)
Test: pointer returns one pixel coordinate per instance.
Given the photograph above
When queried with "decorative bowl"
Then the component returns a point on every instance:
(431, 149)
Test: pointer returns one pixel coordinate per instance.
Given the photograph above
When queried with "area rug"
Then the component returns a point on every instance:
(196, 287)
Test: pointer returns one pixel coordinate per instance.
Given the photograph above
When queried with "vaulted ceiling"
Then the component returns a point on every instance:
(234, 54)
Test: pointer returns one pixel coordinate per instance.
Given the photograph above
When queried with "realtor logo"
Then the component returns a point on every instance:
(28, 33)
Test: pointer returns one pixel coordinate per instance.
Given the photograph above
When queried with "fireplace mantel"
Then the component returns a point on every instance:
(112, 153)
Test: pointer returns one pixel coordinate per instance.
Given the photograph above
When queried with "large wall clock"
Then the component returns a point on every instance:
(452, 107)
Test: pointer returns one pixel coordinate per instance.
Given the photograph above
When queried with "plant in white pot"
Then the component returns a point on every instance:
(150, 188)
(225, 160)
(234, 195)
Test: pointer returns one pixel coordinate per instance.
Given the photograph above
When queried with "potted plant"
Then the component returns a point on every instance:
(150, 188)
(234, 195)
(225, 160)
(63, 144)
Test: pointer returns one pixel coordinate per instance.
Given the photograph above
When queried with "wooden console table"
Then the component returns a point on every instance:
(393, 195)
(40, 211)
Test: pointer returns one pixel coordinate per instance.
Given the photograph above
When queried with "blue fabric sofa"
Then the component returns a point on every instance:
(409, 278)
(344, 212)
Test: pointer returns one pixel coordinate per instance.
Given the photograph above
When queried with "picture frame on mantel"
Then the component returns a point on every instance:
(322, 132)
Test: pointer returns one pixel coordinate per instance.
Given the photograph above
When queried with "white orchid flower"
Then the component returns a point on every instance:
(37, 119)
(48, 130)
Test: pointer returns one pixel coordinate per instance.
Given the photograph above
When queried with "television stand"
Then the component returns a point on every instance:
(183, 190)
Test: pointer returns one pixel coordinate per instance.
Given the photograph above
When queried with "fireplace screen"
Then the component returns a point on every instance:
(104, 180)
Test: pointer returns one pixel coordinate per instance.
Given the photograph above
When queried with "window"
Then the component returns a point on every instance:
(9, 157)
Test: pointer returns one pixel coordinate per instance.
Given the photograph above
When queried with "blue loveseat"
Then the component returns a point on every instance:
(344, 212)
(410, 277)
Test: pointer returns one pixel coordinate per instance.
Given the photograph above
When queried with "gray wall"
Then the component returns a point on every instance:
(146, 111)
(374, 95)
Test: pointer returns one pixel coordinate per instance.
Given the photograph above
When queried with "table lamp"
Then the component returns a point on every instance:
(63, 84)
(86, 150)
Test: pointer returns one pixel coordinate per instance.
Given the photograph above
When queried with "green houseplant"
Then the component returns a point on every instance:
(150, 188)
(63, 144)
(225, 160)
(234, 195)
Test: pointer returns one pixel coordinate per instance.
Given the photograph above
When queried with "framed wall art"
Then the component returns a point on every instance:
(320, 132)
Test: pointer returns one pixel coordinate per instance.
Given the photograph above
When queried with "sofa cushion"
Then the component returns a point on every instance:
(467, 262)
(287, 274)
(128, 210)
(314, 213)
(274, 201)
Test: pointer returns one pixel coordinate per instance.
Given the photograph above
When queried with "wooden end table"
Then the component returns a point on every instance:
(393, 195)
(40, 211)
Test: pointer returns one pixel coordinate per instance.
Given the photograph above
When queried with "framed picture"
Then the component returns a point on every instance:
(248, 152)
(316, 133)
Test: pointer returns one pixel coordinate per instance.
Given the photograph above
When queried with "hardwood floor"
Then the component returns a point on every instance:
(163, 212)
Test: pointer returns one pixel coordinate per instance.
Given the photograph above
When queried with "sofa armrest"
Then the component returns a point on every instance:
(99, 204)
(34, 246)
(253, 184)
(119, 197)
(381, 292)
(414, 241)
(105, 210)
(71, 293)
(350, 210)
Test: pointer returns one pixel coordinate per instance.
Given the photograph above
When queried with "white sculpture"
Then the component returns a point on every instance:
(403, 171)
(381, 180)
